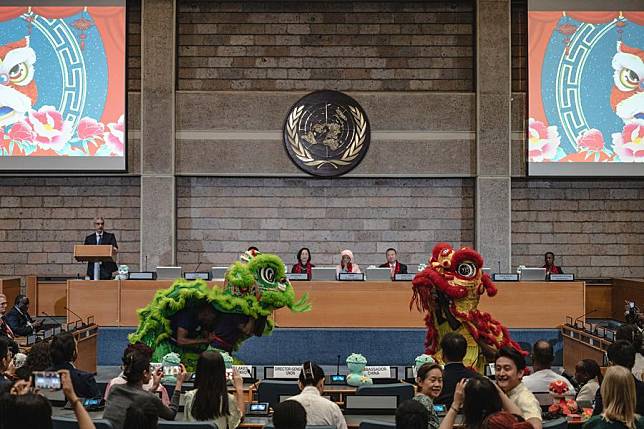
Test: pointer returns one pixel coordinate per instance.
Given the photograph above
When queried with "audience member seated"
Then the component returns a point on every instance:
(137, 373)
(347, 265)
(550, 266)
(429, 380)
(161, 390)
(289, 415)
(5, 329)
(304, 264)
(26, 409)
(319, 411)
(589, 376)
(619, 394)
(505, 420)
(510, 366)
(5, 362)
(37, 360)
(210, 400)
(454, 348)
(62, 353)
(478, 398)
(19, 320)
(632, 334)
(622, 353)
(392, 263)
(142, 414)
(412, 415)
(542, 358)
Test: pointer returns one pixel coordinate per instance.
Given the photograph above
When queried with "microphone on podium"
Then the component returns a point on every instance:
(595, 310)
(50, 317)
(68, 309)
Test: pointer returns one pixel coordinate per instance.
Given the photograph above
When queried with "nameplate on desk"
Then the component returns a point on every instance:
(246, 371)
(505, 277)
(31, 339)
(351, 277)
(200, 275)
(297, 276)
(561, 277)
(142, 275)
(48, 334)
(378, 371)
(57, 330)
(407, 277)
(287, 371)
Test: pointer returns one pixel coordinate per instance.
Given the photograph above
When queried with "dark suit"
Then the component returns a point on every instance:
(452, 375)
(400, 268)
(7, 332)
(107, 268)
(83, 381)
(19, 322)
(639, 394)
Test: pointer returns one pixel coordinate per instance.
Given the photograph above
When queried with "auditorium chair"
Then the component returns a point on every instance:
(163, 424)
(373, 424)
(71, 423)
(403, 391)
(271, 390)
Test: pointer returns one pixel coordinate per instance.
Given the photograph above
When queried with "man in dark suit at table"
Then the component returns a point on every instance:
(454, 347)
(103, 238)
(19, 319)
(392, 263)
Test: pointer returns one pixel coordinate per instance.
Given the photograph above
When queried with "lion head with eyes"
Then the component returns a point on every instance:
(627, 95)
(18, 92)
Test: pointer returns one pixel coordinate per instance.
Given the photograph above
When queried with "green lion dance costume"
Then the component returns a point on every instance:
(255, 286)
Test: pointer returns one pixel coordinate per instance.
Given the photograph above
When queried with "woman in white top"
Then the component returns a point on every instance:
(319, 411)
(589, 376)
(210, 401)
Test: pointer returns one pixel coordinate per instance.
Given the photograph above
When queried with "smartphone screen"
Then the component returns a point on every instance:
(171, 370)
(337, 378)
(440, 408)
(258, 407)
(47, 380)
(91, 402)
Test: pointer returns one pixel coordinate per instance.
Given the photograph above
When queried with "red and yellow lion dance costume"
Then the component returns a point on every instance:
(449, 290)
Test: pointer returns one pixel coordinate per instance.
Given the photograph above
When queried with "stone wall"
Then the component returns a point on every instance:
(219, 217)
(310, 45)
(42, 218)
(595, 227)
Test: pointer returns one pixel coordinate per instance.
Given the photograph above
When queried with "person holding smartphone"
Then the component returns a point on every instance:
(210, 400)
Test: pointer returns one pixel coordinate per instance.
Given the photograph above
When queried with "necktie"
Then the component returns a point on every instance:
(98, 240)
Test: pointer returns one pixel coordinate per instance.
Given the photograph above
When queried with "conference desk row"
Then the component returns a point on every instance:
(371, 304)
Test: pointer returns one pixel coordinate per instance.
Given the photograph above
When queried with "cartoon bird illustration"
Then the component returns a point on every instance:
(627, 96)
(18, 92)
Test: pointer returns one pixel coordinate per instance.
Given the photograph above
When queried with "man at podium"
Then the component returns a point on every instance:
(101, 237)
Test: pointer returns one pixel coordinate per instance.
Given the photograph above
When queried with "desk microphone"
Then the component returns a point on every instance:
(499, 263)
(50, 317)
(337, 371)
(198, 262)
(68, 309)
(146, 264)
(584, 315)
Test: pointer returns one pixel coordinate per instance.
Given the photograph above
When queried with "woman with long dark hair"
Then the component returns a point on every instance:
(304, 264)
(210, 399)
(478, 398)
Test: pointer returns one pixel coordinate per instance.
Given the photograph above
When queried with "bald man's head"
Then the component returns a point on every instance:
(542, 355)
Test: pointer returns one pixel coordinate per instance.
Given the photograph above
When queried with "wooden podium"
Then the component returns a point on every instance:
(94, 253)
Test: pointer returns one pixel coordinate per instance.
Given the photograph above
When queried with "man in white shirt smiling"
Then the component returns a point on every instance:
(319, 410)
(543, 375)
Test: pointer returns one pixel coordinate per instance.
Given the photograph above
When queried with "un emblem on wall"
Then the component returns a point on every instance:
(326, 133)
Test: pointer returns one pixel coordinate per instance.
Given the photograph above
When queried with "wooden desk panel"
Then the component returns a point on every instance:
(10, 287)
(94, 298)
(386, 305)
(626, 290)
(599, 300)
(353, 304)
(535, 304)
(47, 296)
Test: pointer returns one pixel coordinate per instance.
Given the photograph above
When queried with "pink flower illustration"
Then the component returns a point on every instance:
(543, 141)
(629, 144)
(51, 131)
(592, 140)
(21, 131)
(115, 138)
(88, 127)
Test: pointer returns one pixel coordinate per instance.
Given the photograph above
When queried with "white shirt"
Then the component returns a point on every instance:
(540, 380)
(526, 401)
(320, 411)
(638, 369)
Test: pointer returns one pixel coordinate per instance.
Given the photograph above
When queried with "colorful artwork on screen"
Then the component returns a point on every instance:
(62, 81)
(586, 87)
